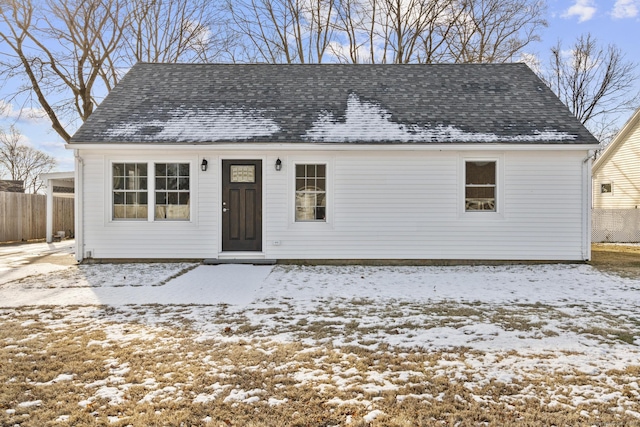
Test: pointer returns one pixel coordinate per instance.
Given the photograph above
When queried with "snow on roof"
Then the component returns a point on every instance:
(211, 124)
(366, 121)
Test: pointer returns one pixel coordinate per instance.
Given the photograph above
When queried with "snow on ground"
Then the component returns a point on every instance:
(557, 298)
(522, 318)
(23, 260)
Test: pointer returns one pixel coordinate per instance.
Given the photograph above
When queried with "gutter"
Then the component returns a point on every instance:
(303, 146)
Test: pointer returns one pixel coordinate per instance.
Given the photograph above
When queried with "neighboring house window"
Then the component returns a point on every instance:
(606, 188)
(172, 191)
(311, 192)
(129, 190)
(480, 186)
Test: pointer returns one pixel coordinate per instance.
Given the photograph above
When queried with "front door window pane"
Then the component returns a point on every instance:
(243, 173)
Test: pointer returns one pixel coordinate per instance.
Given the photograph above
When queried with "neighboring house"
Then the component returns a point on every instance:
(281, 162)
(616, 187)
(616, 173)
(11, 186)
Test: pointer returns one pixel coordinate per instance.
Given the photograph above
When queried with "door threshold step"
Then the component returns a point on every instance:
(215, 261)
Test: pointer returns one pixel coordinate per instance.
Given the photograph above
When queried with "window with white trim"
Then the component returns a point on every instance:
(172, 191)
(480, 185)
(129, 191)
(311, 193)
(168, 184)
(606, 188)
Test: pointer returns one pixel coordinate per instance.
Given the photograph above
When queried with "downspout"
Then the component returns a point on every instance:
(79, 205)
(586, 205)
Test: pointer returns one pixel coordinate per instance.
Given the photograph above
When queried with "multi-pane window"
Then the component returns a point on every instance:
(480, 186)
(129, 190)
(172, 190)
(311, 192)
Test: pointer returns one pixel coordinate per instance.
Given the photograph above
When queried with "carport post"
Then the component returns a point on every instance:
(49, 210)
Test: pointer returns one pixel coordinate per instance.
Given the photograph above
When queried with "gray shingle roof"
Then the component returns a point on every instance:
(448, 103)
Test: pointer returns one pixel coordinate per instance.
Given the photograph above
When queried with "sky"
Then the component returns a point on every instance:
(609, 21)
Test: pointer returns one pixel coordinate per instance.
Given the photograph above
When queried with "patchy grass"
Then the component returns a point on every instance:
(619, 259)
(132, 366)
(330, 360)
(350, 321)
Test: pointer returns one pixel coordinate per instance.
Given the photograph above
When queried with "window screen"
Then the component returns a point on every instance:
(480, 186)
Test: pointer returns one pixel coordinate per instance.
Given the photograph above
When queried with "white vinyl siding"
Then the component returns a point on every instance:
(106, 238)
(622, 170)
(407, 205)
(383, 205)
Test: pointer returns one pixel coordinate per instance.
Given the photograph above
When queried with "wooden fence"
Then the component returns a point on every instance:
(23, 216)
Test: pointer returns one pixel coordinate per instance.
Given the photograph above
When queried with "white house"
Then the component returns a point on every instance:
(616, 187)
(616, 173)
(319, 162)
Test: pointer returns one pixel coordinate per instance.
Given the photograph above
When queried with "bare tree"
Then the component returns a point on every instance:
(171, 31)
(401, 26)
(428, 31)
(21, 162)
(353, 21)
(493, 30)
(267, 26)
(439, 32)
(385, 31)
(284, 31)
(322, 27)
(68, 54)
(60, 50)
(595, 82)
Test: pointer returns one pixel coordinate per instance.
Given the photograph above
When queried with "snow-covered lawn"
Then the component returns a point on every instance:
(323, 345)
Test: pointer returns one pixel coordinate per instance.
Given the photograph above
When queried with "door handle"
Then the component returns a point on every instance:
(225, 210)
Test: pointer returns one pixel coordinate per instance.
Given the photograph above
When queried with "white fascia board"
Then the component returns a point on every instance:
(332, 147)
(59, 179)
(57, 175)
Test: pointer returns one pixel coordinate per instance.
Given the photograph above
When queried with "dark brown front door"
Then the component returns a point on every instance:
(241, 205)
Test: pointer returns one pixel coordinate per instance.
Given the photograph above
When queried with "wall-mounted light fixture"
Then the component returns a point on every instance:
(278, 164)
(203, 165)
